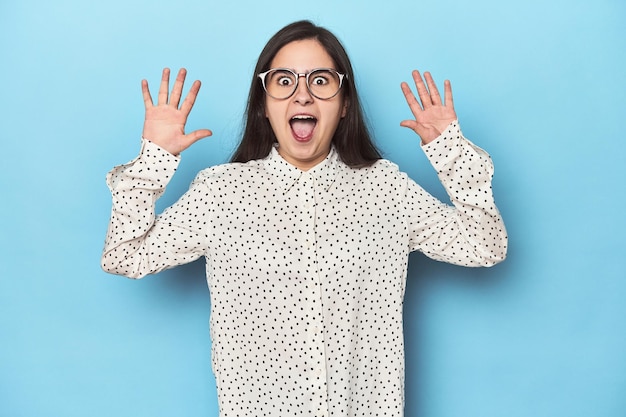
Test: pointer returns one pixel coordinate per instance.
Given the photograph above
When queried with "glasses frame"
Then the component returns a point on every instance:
(297, 75)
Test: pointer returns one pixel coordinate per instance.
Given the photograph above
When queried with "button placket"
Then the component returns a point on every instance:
(307, 207)
(315, 335)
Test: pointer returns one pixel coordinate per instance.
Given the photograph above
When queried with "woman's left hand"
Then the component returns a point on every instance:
(433, 115)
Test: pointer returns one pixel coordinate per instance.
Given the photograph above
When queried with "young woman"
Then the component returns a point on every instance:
(307, 232)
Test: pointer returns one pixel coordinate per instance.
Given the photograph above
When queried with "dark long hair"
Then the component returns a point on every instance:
(352, 139)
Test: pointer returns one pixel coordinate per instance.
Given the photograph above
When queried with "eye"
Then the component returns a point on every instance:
(285, 81)
(320, 79)
(281, 78)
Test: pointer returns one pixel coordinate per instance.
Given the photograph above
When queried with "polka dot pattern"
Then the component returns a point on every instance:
(306, 270)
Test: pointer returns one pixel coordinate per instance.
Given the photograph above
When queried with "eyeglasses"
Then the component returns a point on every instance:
(322, 83)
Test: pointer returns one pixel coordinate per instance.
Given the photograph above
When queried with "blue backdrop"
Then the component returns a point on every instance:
(538, 84)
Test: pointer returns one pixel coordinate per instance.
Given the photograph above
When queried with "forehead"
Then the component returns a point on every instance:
(302, 55)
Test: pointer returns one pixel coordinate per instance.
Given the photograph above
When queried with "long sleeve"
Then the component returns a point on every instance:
(138, 242)
(471, 231)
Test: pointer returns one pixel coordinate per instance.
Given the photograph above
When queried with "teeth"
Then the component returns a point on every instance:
(303, 117)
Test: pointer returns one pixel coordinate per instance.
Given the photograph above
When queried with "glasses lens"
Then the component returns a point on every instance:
(324, 83)
(280, 83)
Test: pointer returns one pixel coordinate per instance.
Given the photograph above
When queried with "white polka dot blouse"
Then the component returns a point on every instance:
(306, 270)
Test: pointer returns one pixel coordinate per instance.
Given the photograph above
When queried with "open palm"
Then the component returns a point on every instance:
(164, 122)
(433, 115)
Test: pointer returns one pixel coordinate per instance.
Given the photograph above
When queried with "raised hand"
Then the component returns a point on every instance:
(164, 124)
(433, 116)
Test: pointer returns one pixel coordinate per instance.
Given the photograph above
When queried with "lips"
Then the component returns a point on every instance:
(302, 126)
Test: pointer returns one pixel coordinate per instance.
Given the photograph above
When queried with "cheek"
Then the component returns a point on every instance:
(274, 111)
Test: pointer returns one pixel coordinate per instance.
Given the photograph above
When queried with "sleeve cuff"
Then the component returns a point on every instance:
(154, 153)
(152, 168)
(445, 147)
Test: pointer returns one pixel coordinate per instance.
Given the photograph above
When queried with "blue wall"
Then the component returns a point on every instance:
(539, 84)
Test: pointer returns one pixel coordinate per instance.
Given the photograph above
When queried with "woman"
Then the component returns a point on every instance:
(307, 233)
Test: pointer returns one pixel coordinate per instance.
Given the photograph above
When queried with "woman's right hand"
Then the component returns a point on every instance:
(164, 124)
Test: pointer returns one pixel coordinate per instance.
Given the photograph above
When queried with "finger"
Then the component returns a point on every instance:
(414, 105)
(177, 90)
(447, 93)
(199, 134)
(411, 124)
(163, 89)
(195, 136)
(190, 99)
(422, 91)
(435, 97)
(145, 91)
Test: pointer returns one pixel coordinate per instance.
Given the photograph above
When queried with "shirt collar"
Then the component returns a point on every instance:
(287, 175)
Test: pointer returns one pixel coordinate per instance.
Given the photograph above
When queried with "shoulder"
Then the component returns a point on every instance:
(386, 170)
(383, 177)
(233, 171)
(385, 165)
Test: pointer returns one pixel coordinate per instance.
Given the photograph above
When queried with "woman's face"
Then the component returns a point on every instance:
(303, 124)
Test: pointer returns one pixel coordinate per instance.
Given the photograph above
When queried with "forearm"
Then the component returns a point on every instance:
(471, 231)
(137, 241)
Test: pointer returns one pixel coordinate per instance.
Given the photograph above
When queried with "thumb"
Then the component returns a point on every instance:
(196, 135)
(411, 124)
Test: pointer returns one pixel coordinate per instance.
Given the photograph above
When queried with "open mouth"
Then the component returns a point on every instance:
(302, 126)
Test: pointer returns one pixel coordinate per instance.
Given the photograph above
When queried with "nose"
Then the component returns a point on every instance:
(302, 94)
